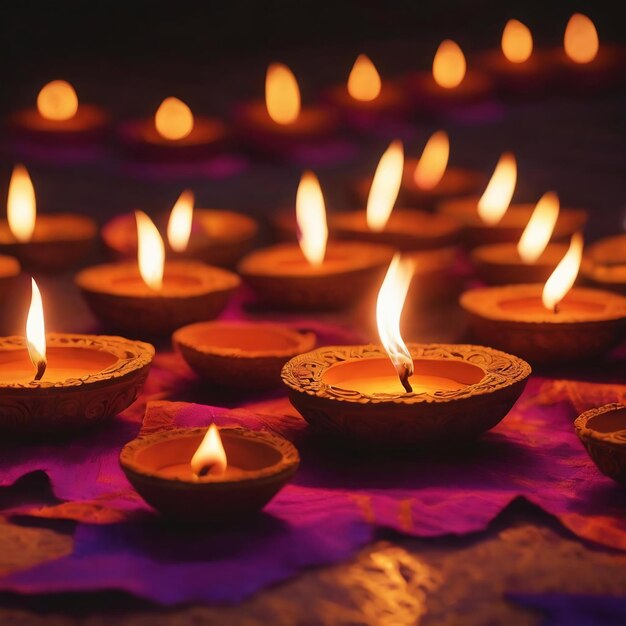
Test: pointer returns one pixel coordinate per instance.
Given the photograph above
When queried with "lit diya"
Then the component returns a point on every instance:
(173, 134)
(491, 218)
(604, 263)
(551, 323)
(200, 475)
(532, 259)
(154, 297)
(430, 178)
(240, 355)
(380, 223)
(399, 395)
(315, 274)
(281, 122)
(58, 117)
(51, 242)
(603, 433)
(66, 382)
(215, 236)
(450, 84)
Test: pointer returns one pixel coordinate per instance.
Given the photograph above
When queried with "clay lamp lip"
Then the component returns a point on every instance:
(88, 118)
(64, 227)
(9, 267)
(604, 262)
(391, 98)
(206, 131)
(596, 424)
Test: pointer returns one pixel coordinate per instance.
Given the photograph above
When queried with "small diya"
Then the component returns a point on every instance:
(280, 122)
(215, 236)
(196, 475)
(59, 118)
(152, 297)
(603, 433)
(548, 324)
(316, 274)
(61, 383)
(174, 134)
(240, 355)
(48, 243)
(604, 263)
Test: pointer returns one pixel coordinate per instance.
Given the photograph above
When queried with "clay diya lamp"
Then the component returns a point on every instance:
(551, 324)
(153, 297)
(450, 85)
(604, 263)
(201, 476)
(240, 355)
(603, 433)
(61, 383)
(532, 259)
(48, 243)
(436, 277)
(58, 118)
(215, 236)
(314, 275)
(280, 123)
(175, 134)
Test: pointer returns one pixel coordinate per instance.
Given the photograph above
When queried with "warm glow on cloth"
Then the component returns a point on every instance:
(57, 101)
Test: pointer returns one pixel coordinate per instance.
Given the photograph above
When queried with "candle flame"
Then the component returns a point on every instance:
(150, 251)
(311, 218)
(432, 164)
(539, 229)
(389, 306)
(210, 457)
(449, 64)
(497, 196)
(517, 42)
(364, 82)
(21, 205)
(36, 332)
(564, 276)
(385, 186)
(282, 94)
(581, 39)
(173, 119)
(179, 224)
(57, 101)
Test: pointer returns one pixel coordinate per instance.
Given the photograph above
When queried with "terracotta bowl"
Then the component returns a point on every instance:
(118, 369)
(240, 355)
(267, 460)
(604, 264)
(603, 433)
(485, 383)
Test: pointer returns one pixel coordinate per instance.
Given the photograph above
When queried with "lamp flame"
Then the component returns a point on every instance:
(21, 205)
(210, 457)
(432, 164)
(539, 229)
(282, 94)
(57, 101)
(36, 332)
(179, 224)
(389, 305)
(497, 196)
(173, 119)
(385, 186)
(562, 279)
(449, 64)
(150, 251)
(311, 218)
(517, 42)
(364, 82)
(581, 41)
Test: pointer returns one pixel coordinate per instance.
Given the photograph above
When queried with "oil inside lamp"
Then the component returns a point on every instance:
(210, 457)
(282, 94)
(36, 332)
(433, 162)
(311, 218)
(517, 42)
(364, 82)
(564, 275)
(173, 119)
(581, 41)
(21, 205)
(57, 101)
(497, 196)
(449, 65)
(385, 186)
(539, 229)
(150, 251)
(180, 222)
